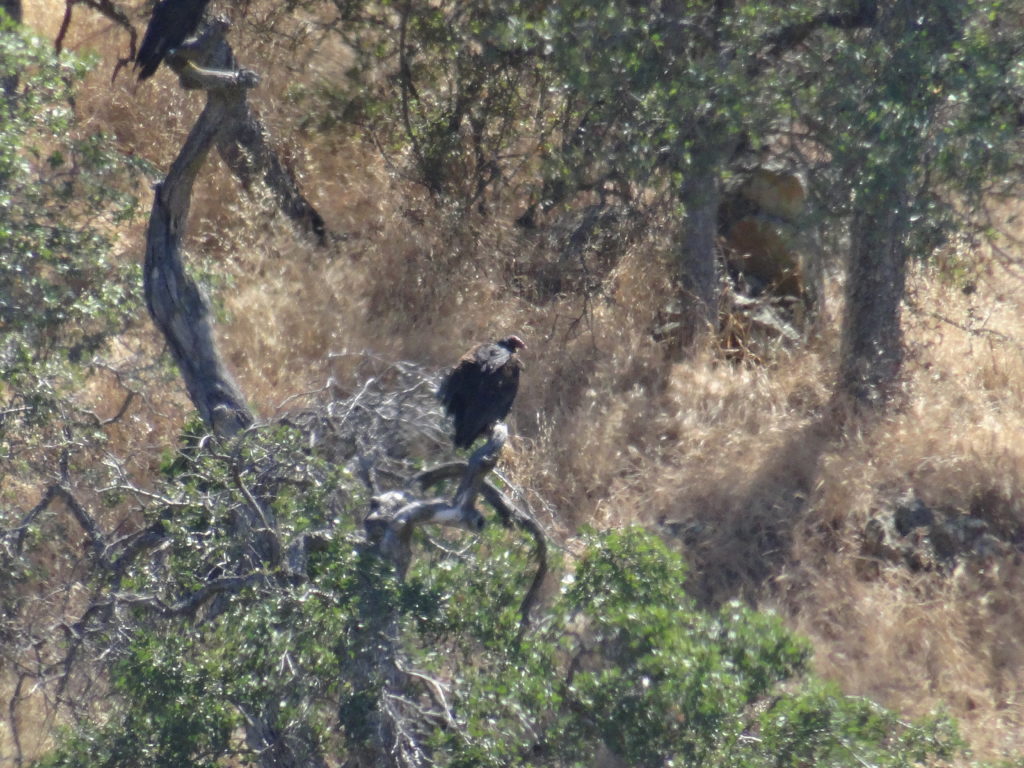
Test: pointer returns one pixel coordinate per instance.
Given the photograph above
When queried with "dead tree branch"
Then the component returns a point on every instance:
(244, 144)
(387, 734)
(510, 515)
(395, 516)
(247, 151)
(176, 303)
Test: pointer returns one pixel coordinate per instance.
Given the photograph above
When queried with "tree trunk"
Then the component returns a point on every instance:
(13, 9)
(872, 340)
(176, 304)
(698, 266)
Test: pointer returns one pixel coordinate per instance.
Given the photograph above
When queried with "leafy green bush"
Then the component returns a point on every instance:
(64, 190)
(64, 193)
(619, 661)
(623, 661)
(223, 631)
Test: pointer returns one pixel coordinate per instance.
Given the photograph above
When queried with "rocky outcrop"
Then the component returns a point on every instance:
(759, 223)
(909, 533)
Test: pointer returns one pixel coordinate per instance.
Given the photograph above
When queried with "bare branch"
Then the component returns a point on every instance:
(510, 515)
(30, 517)
(392, 522)
(175, 301)
(147, 539)
(247, 151)
(96, 537)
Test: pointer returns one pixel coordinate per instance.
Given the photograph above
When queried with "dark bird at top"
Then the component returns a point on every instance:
(172, 22)
(478, 392)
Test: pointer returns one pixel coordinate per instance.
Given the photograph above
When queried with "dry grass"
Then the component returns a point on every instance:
(764, 482)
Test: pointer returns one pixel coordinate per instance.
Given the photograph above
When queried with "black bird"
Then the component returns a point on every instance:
(172, 22)
(478, 392)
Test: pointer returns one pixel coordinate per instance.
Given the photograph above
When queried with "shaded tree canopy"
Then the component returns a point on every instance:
(891, 104)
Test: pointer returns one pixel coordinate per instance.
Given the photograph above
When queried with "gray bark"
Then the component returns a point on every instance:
(247, 152)
(396, 515)
(244, 143)
(872, 339)
(698, 265)
(175, 302)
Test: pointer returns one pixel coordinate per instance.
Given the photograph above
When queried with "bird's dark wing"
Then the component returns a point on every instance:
(171, 23)
(502, 386)
(479, 391)
(488, 401)
(452, 387)
(151, 52)
(457, 393)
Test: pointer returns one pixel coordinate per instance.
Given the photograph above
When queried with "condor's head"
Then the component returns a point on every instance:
(513, 344)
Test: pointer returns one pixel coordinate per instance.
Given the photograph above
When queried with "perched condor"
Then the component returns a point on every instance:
(478, 392)
(173, 21)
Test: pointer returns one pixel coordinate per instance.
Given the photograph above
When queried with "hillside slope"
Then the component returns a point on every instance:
(775, 493)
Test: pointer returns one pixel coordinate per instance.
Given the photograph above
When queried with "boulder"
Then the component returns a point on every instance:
(776, 193)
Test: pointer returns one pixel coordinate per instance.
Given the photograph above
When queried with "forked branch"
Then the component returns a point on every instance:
(510, 515)
(396, 514)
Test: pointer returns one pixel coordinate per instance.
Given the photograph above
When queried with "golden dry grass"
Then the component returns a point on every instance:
(763, 481)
